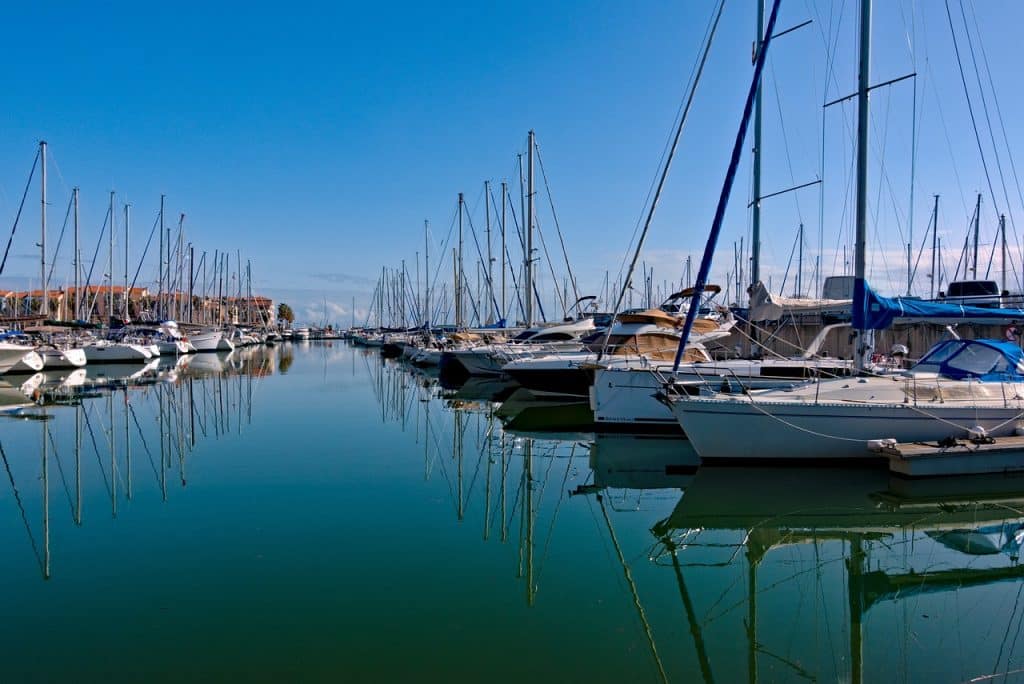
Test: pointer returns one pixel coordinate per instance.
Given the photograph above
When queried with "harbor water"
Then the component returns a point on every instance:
(314, 512)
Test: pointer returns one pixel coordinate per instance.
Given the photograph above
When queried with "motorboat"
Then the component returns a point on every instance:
(490, 359)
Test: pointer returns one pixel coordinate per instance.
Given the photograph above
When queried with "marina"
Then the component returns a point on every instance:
(670, 343)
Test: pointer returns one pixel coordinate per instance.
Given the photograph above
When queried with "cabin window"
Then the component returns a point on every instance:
(932, 363)
(978, 359)
(552, 337)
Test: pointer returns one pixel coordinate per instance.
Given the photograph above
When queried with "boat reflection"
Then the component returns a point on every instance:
(95, 425)
(818, 573)
(850, 543)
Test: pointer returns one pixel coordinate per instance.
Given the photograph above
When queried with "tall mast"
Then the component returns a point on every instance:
(1002, 233)
(504, 201)
(78, 292)
(529, 230)
(127, 228)
(160, 266)
(110, 280)
(426, 272)
(977, 231)
(459, 314)
(490, 257)
(755, 223)
(864, 338)
(800, 265)
(44, 306)
(935, 237)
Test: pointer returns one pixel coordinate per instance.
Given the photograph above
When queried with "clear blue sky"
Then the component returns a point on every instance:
(316, 139)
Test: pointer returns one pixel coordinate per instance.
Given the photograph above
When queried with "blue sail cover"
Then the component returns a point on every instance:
(872, 311)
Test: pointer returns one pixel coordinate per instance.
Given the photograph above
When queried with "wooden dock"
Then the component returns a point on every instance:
(1003, 455)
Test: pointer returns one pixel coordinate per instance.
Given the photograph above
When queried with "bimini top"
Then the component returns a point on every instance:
(981, 359)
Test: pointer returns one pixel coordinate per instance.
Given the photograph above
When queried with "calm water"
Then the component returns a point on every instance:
(310, 512)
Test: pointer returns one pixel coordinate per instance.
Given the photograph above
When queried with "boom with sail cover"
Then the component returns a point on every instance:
(872, 311)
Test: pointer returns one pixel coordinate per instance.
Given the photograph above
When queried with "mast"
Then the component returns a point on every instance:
(977, 231)
(935, 237)
(1002, 233)
(78, 291)
(755, 223)
(426, 273)
(127, 228)
(490, 256)
(529, 229)
(44, 306)
(110, 280)
(504, 201)
(865, 338)
(800, 265)
(459, 313)
(160, 266)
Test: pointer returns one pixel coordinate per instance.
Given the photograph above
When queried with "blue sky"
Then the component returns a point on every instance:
(317, 140)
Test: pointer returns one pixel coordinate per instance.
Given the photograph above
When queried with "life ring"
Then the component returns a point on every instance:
(1012, 333)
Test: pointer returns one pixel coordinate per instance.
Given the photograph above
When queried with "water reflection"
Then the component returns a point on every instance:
(820, 574)
(620, 553)
(94, 426)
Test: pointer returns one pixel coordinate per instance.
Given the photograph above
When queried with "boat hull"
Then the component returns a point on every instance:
(739, 430)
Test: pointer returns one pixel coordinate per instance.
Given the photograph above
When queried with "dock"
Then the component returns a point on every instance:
(966, 457)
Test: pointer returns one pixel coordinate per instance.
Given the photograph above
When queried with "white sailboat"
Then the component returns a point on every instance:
(960, 389)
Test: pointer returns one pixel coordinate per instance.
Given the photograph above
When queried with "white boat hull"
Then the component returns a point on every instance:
(72, 357)
(103, 352)
(10, 355)
(31, 361)
(740, 430)
(206, 341)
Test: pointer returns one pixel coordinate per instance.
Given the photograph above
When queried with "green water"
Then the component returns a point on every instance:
(312, 513)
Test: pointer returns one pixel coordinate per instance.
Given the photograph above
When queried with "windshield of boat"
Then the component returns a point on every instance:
(523, 336)
(965, 358)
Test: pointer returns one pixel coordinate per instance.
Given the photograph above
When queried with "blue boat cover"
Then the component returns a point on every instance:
(986, 360)
(871, 311)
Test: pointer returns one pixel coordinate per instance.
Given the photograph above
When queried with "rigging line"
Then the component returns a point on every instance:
(135, 418)
(92, 265)
(479, 253)
(633, 590)
(444, 250)
(988, 119)
(551, 267)
(56, 251)
(522, 243)
(554, 515)
(17, 216)
(508, 260)
(785, 144)
(628, 276)
(558, 228)
(21, 507)
(60, 469)
(96, 450)
(999, 113)
(142, 259)
(970, 107)
(666, 150)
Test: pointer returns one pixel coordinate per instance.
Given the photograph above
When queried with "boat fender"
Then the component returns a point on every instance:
(877, 445)
(979, 435)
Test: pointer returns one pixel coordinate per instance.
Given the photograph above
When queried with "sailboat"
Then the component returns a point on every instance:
(959, 389)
